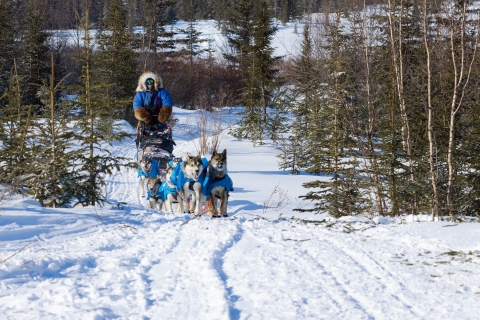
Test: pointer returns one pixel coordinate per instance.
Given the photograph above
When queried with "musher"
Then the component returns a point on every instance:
(152, 105)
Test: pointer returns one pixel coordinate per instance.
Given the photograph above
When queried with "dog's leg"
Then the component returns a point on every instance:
(197, 187)
(142, 186)
(152, 203)
(168, 203)
(224, 204)
(160, 204)
(213, 204)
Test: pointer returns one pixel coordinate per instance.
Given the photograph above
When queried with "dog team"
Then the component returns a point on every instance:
(194, 184)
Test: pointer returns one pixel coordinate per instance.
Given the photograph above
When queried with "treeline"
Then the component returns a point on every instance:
(61, 14)
(386, 106)
(54, 92)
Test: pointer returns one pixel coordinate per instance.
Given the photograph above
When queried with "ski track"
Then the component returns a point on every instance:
(143, 264)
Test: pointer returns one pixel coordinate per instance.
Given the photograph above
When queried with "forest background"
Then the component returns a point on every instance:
(383, 94)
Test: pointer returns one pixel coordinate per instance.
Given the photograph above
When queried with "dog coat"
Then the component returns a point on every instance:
(154, 172)
(209, 184)
(165, 190)
(178, 176)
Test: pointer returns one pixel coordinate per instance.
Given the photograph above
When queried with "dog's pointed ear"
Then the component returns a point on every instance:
(224, 153)
(214, 152)
(199, 156)
(188, 156)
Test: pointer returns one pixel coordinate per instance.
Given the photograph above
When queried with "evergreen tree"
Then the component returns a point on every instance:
(116, 61)
(33, 62)
(332, 149)
(240, 34)
(7, 39)
(53, 180)
(192, 36)
(256, 57)
(304, 99)
(291, 158)
(16, 153)
(95, 160)
(157, 42)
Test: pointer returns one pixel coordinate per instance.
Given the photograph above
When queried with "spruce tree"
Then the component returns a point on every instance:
(7, 39)
(157, 42)
(304, 99)
(240, 34)
(16, 118)
(116, 61)
(191, 39)
(256, 56)
(53, 180)
(33, 62)
(95, 160)
(332, 149)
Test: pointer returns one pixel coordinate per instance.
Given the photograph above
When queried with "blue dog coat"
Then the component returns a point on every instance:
(178, 176)
(165, 190)
(209, 184)
(154, 172)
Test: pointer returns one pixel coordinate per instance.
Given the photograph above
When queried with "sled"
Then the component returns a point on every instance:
(159, 143)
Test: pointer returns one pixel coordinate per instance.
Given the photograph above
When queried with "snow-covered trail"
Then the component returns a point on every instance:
(138, 263)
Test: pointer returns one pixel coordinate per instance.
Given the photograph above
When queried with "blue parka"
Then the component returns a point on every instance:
(161, 98)
(178, 177)
(208, 185)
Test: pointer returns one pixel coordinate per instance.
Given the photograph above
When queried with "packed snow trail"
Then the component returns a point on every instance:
(138, 263)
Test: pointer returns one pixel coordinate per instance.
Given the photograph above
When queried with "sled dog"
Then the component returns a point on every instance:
(154, 198)
(148, 169)
(218, 184)
(193, 170)
(169, 191)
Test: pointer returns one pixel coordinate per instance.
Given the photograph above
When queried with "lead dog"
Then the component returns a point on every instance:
(217, 184)
(148, 169)
(189, 177)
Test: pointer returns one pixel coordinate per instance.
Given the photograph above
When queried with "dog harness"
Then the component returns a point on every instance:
(211, 183)
(178, 176)
(153, 173)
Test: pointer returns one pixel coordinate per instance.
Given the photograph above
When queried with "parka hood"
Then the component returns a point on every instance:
(141, 81)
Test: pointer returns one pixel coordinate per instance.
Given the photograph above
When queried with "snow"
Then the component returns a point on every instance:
(127, 261)
(285, 42)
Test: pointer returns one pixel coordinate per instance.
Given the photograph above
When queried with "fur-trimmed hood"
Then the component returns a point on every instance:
(149, 74)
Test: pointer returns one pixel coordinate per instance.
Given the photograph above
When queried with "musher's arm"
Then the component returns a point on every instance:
(167, 103)
(139, 109)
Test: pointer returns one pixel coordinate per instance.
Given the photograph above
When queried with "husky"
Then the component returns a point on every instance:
(154, 198)
(189, 176)
(148, 169)
(217, 184)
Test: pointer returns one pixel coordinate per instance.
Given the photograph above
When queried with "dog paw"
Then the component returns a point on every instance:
(216, 215)
(225, 215)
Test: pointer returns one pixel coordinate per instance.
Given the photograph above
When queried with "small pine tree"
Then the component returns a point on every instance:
(7, 39)
(192, 38)
(16, 153)
(116, 61)
(261, 81)
(97, 105)
(240, 34)
(331, 149)
(33, 61)
(291, 157)
(53, 180)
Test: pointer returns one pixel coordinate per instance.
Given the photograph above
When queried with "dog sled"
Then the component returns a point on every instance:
(156, 141)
